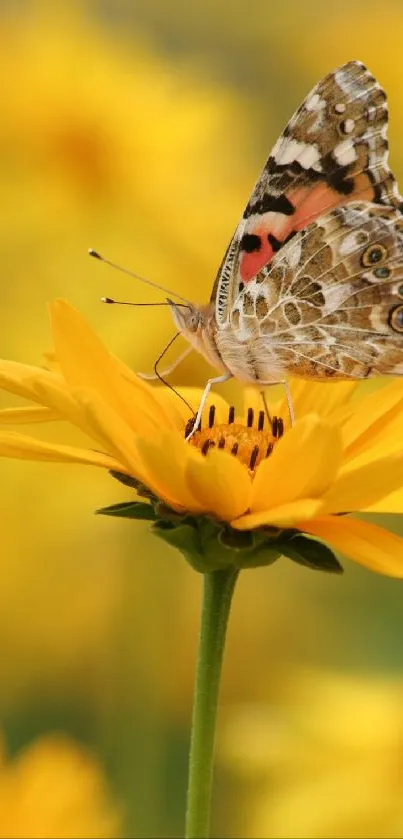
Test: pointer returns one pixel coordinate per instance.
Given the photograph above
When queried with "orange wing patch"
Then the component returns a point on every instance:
(265, 234)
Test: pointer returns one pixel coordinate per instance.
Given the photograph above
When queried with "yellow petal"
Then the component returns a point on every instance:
(372, 546)
(50, 362)
(358, 487)
(20, 379)
(85, 362)
(321, 398)
(368, 422)
(9, 416)
(40, 386)
(22, 447)
(303, 464)
(183, 403)
(392, 503)
(56, 397)
(220, 483)
(157, 401)
(111, 429)
(283, 516)
(164, 465)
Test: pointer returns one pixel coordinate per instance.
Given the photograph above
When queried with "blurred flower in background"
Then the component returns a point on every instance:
(139, 129)
(326, 760)
(54, 788)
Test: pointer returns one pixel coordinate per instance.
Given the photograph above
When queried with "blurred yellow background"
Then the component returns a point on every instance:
(139, 129)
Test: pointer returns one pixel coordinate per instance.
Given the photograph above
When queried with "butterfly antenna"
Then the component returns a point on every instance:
(97, 255)
(110, 300)
(161, 378)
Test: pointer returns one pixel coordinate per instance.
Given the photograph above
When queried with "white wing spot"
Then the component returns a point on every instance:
(313, 103)
(353, 242)
(340, 108)
(348, 126)
(310, 158)
(344, 153)
(276, 148)
(291, 150)
(294, 254)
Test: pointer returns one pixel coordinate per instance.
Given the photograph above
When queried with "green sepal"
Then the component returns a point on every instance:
(209, 545)
(308, 551)
(129, 481)
(184, 537)
(129, 510)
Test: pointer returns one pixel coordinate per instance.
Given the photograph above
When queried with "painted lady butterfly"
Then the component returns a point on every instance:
(312, 282)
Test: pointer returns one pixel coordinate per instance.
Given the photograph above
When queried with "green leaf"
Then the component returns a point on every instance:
(129, 510)
(311, 553)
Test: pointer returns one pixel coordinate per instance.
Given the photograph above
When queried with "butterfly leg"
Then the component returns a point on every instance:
(290, 406)
(266, 408)
(218, 380)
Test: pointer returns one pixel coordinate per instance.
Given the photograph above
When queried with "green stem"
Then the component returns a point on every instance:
(218, 589)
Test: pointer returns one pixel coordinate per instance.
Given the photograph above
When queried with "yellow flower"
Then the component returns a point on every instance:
(54, 788)
(331, 751)
(342, 455)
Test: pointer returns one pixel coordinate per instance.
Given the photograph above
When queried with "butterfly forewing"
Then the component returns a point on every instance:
(311, 284)
(333, 151)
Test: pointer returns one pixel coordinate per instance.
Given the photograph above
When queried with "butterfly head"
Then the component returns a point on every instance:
(197, 325)
(187, 318)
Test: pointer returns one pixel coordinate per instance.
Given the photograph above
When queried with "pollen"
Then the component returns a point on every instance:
(251, 442)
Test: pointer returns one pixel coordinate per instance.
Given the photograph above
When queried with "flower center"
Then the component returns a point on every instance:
(250, 443)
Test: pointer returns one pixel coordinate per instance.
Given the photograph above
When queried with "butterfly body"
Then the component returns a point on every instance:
(312, 282)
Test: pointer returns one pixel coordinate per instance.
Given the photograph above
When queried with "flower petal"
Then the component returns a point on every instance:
(108, 427)
(56, 397)
(303, 464)
(392, 503)
(164, 464)
(367, 423)
(23, 447)
(20, 379)
(220, 483)
(321, 398)
(357, 487)
(372, 546)
(283, 516)
(85, 362)
(40, 386)
(158, 403)
(10, 416)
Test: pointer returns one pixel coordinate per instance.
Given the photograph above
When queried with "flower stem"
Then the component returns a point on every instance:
(218, 588)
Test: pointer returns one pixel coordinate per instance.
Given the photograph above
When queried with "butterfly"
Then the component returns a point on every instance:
(311, 284)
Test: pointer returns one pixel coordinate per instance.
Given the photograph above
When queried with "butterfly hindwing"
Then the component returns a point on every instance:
(330, 304)
(333, 151)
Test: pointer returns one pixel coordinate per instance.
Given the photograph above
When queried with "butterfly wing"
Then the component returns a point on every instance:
(330, 304)
(334, 150)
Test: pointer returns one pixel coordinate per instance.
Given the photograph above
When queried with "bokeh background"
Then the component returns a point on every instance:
(139, 128)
